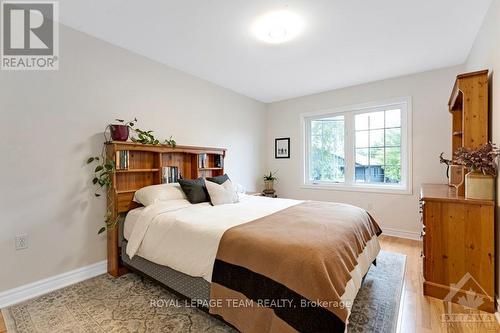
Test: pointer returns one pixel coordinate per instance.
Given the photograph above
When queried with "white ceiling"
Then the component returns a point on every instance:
(345, 42)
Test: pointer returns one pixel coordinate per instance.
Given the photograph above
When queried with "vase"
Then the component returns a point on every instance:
(119, 132)
(479, 186)
(269, 184)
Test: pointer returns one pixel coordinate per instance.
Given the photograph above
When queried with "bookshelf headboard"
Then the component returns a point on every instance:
(139, 165)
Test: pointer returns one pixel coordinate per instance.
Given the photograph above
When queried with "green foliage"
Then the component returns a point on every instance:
(327, 152)
(102, 173)
(102, 178)
(130, 123)
(271, 176)
(145, 137)
(171, 142)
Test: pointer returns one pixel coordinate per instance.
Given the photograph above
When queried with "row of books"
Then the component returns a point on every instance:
(170, 174)
(122, 159)
(218, 161)
(203, 161)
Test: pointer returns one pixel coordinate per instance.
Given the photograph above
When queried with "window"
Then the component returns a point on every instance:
(359, 148)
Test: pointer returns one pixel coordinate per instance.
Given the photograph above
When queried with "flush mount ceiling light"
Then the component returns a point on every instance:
(277, 27)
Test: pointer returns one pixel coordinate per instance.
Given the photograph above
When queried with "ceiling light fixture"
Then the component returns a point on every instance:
(277, 27)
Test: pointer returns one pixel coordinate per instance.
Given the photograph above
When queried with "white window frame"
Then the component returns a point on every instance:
(349, 184)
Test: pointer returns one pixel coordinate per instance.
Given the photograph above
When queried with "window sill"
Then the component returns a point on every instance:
(359, 188)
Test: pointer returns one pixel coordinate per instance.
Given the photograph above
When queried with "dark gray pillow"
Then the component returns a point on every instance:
(219, 179)
(195, 190)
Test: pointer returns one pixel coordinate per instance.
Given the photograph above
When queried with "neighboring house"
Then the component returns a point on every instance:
(374, 173)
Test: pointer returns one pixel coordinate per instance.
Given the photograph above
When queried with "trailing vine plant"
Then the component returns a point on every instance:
(102, 179)
(147, 137)
(104, 169)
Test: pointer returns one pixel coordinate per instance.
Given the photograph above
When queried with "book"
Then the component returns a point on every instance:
(202, 161)
(170, 174)
(122, 160)
(218, 161)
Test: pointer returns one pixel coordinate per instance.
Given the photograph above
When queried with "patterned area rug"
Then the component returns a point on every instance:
(104, 304)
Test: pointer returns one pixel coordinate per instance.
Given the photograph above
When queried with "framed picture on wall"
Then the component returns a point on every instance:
(282, 148)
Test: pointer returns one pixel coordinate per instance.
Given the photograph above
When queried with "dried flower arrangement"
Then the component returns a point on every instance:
(481, 159)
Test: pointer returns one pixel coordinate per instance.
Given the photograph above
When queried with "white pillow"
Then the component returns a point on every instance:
(151, 194)
(221, 194)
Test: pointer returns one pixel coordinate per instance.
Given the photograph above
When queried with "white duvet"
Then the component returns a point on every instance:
(186, 237)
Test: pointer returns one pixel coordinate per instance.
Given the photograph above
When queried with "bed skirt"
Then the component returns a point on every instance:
(195, 288)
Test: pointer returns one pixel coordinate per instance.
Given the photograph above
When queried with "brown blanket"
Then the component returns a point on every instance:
(287, 271)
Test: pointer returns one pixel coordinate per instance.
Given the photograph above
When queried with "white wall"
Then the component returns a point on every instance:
(485, 54)
(52, 121)
(431, 136)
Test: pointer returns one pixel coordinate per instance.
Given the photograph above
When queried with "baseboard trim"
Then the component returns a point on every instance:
(37, 288)
(401, 233)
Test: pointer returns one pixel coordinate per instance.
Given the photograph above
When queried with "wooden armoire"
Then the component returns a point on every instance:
(458, 233)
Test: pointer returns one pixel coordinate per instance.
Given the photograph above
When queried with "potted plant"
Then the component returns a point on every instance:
(120, 132)
(269, 181)
(480, 162)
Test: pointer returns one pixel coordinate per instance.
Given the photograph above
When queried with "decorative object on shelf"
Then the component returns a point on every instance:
(120, 132)
(454, 173)
(480, 181)
(282, 148)
(456, 178)
(269, 184)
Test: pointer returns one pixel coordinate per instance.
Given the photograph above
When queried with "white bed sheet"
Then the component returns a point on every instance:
(130, 220)
(186, 237)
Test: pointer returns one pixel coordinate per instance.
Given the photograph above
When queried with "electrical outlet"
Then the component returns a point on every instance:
(21, 241)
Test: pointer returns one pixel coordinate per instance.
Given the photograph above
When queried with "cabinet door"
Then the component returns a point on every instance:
(459, 240)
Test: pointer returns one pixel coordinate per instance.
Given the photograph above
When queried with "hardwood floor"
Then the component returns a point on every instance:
(419, 313)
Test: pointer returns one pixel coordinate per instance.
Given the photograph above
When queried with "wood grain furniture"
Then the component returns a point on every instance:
(468, 106)
(458, 234)
(459, 245)
(145, 163)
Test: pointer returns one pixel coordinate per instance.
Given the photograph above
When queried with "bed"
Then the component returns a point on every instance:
(261, 250)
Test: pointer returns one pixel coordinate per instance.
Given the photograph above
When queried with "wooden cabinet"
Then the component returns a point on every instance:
(468, 106)
(458, 246)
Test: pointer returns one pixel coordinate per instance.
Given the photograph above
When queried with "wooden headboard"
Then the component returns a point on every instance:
(144, 166)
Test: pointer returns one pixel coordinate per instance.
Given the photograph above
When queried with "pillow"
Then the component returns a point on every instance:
(222, 194)
(195, 190)
(219, 179)
(150, 194)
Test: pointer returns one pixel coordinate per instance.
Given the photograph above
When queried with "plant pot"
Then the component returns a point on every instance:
(119, 132)
(269, 184)
(479, 186)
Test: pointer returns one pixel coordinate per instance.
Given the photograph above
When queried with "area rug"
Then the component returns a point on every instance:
(130, 304)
